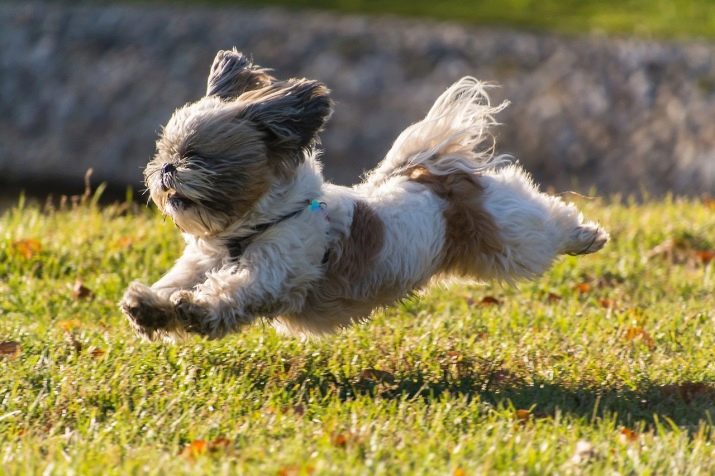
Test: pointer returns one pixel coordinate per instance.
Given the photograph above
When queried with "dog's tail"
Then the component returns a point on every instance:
(454, 136)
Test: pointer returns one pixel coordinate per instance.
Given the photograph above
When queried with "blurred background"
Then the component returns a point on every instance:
(606, 96)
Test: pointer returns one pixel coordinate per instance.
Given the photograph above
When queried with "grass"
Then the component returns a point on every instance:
(604, 365)
(645, 18)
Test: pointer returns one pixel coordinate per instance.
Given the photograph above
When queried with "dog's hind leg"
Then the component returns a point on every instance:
(534, 228)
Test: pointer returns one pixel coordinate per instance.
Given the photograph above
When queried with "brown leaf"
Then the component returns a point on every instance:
(708, 201)
(376, 375)
(523, 415)
(194, 449)
(607, 303)
(583, 288)
(341, 440)
(69, 324)
(294, 470)
(705, 256)
(553, 297)
(626, 435)
(638, 333)
(96, 352)
(219, 443)
(27, 247)
(80, 291)
(489, 301)
(10, 349)
(123, 242)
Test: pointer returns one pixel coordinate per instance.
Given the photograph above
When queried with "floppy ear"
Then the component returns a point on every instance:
(232, 74)
(290, 113)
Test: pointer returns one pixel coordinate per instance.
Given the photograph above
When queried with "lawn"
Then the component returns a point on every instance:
(604, 365)
(645, 18)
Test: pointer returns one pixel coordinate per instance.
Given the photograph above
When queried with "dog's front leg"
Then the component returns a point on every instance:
(227, 301)
(149, 310)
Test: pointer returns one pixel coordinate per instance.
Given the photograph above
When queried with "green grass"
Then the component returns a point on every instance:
(600, 347)
(645, 18)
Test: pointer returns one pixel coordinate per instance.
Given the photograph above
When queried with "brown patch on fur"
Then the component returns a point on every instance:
(345, 293)
(471, 230)
(359, 250)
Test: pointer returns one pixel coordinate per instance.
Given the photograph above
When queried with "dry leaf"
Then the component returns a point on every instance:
(80, 291)
(583, 288)
(123, 242)
(27, 247)
(638, 333)
(607, 303)
(626, 435)
(219, 443)
(705, 256)
(69, 325)
(553, 297)
(341, 440)
(294, 470)
(523, 415)
(489, 301)
(194, 449)
(96, 352)
(10, 349)
(377, 376)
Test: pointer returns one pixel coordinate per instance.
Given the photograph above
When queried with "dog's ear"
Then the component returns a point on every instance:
(232, 74)
(291, 114)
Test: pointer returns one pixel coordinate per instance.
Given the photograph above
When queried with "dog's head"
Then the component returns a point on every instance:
(217, 157)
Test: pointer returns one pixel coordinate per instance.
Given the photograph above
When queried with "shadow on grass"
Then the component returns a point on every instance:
(685, 404)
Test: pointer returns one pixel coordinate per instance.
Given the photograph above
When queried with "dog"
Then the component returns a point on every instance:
(267, 237)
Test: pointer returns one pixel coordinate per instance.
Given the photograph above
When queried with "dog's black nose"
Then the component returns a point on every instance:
(168, 168)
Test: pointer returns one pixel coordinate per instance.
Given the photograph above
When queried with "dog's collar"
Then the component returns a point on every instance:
(237, 246)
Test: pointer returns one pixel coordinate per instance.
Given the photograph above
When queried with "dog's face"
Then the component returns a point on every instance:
(217, 157)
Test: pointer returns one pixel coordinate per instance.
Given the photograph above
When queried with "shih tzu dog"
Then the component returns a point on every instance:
(266, 237)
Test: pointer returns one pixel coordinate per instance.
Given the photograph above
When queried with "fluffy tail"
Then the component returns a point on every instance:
(454, 136)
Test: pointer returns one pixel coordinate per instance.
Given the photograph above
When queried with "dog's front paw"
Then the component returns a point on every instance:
(193, 315)
(147, 312)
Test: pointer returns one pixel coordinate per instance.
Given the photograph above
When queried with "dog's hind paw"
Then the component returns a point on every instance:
(585, 239)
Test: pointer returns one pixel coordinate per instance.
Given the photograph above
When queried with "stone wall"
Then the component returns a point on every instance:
(85, 86)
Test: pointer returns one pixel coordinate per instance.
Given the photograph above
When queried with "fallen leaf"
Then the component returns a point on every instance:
(705, 256)
(626, 435)
(10, 349)
(377, 376)
(341, 440)
(27, 247)
(489, 301)
(583, 288)
(123, 242)
(219, 443)
(607, 303)
(194, 449)
(69, 324)
(96, 352)
(553, 297)
(638, 333)
(80, 291)
(523, 415)
(294, 470)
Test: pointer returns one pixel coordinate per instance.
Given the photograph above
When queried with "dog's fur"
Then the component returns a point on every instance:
(266, 236)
